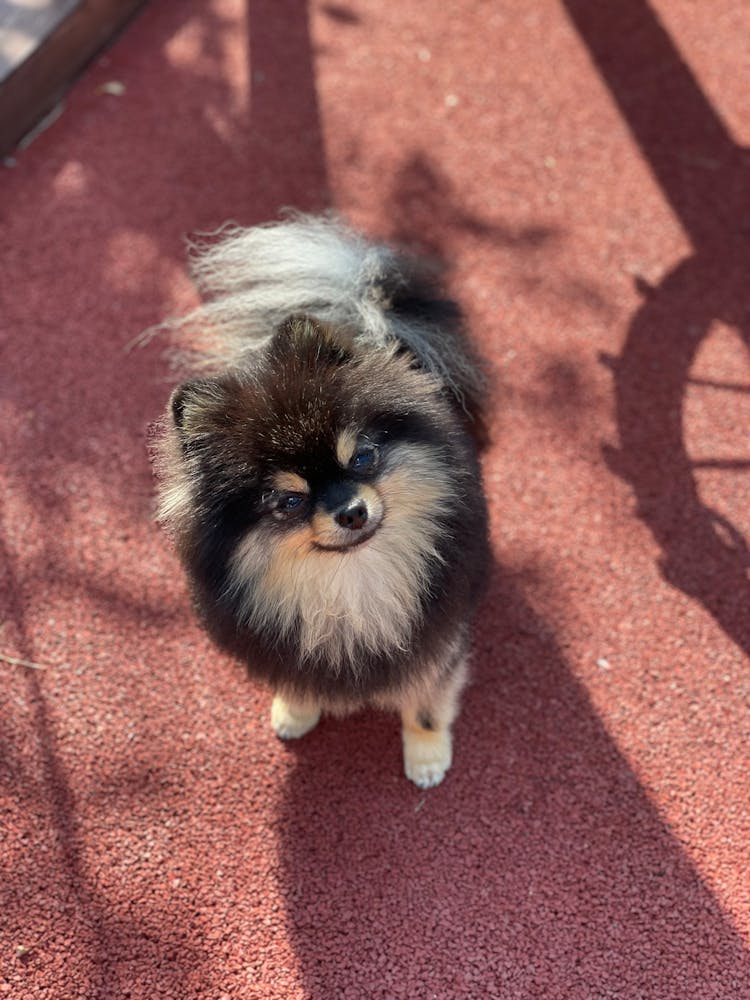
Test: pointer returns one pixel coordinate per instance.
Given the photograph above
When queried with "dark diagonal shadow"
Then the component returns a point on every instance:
(705, 177)
(538, 869)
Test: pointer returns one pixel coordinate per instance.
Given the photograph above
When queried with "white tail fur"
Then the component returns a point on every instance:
(253, 279)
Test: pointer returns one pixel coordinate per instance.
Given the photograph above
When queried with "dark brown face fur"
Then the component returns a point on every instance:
(287, 411)
(328, 508)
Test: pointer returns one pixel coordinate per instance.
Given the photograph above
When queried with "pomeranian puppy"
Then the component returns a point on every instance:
(321, 479)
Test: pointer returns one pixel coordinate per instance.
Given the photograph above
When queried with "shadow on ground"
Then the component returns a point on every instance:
(705, 178)
(539, 867)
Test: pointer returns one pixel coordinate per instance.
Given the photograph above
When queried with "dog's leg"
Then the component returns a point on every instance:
(292, 718)
(426, 721)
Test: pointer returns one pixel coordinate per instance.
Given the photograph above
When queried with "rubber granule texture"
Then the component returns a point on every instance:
(583, 167)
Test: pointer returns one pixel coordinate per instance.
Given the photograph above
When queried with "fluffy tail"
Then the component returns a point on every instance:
(253, 279)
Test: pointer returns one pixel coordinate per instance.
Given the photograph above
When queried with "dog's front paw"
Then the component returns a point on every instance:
(289, 722)
(427, 756)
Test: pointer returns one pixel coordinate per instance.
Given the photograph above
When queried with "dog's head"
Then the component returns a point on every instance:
(310, 491)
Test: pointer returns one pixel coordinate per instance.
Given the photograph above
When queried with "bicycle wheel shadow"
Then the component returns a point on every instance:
(539, 868)
(705, 177)
(704, 554)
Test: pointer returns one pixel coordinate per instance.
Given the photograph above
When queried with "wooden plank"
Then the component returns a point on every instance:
(42, 47)
(25, 26)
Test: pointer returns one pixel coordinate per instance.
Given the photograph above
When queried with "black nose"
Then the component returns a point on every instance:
(353, 516)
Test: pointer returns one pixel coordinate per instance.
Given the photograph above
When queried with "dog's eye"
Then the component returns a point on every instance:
(364, 459)
(289, 503)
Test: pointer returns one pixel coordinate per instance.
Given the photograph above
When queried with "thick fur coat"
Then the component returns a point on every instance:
(321, 479)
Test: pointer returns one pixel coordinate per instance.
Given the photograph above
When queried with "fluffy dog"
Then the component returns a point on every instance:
(322, 481)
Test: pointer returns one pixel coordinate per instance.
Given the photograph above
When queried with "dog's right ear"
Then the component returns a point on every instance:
(190, 405)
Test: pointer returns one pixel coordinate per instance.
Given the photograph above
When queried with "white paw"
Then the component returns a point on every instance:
(290, 724)
(427, 757)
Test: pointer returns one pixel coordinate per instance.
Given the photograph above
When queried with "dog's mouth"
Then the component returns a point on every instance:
(358, 538)
(348, 527)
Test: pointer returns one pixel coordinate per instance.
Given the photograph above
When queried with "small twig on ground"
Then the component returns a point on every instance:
(14, 661)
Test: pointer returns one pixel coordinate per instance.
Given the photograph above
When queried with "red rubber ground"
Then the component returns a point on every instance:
(582, 165)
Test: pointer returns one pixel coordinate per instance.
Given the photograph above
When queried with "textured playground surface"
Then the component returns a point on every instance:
(585, 169)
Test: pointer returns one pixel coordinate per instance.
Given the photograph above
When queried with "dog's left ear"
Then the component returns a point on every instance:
(306, 337)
